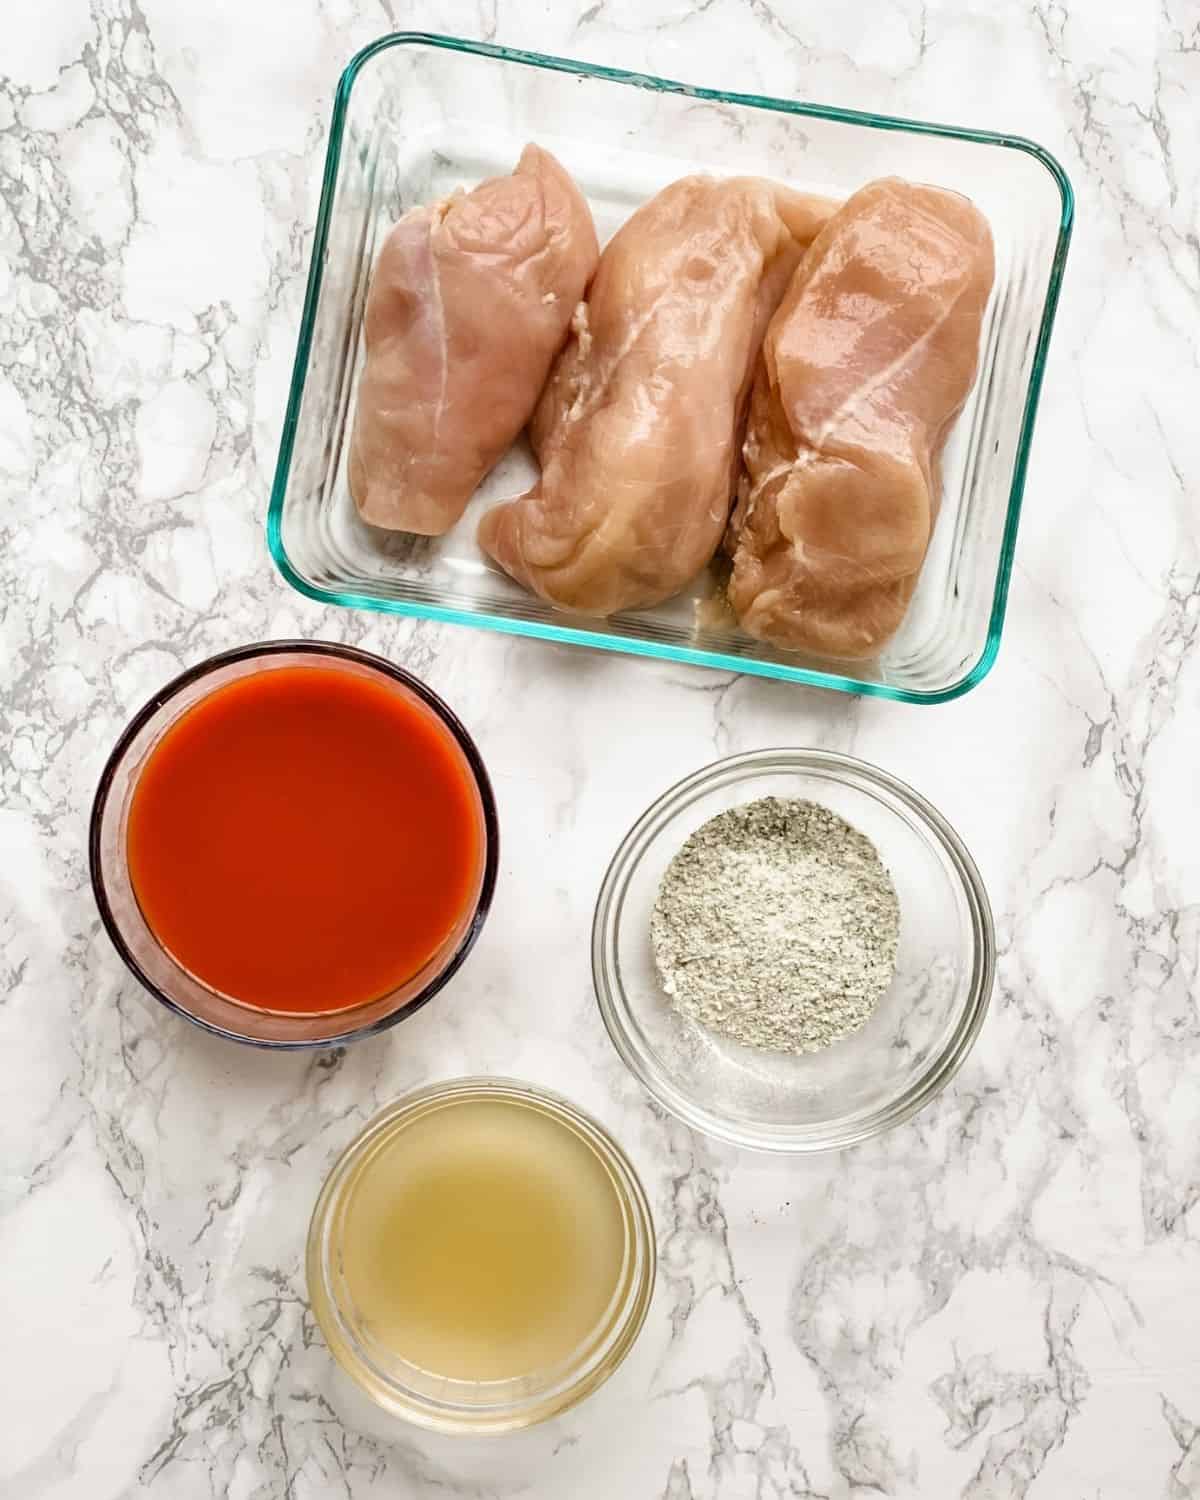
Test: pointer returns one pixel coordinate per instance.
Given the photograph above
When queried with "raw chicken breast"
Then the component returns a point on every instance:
(637, 432)
(864, 368)
(470, 302)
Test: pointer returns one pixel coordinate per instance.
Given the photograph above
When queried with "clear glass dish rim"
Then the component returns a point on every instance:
(614, 1007)
(171, 689)
(632, 646)
(573, 1386)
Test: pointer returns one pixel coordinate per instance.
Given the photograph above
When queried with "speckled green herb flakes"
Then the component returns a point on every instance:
(776, 926)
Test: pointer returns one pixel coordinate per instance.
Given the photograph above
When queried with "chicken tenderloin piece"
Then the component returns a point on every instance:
(864, 369)
(469, 303)
(638, 430)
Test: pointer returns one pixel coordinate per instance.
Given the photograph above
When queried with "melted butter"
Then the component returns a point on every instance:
(483, 1241)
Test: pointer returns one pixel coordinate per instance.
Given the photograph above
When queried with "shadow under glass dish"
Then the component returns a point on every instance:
(140, 948)
(417, 116)
(919, 1033)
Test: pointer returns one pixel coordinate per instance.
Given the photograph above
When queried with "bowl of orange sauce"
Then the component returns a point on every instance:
(294, 844)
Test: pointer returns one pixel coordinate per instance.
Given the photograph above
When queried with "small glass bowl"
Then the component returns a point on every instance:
(918, 1035)
(461, 1406)
(137, 944)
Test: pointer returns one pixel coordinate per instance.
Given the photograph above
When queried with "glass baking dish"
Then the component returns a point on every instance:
(417, 115)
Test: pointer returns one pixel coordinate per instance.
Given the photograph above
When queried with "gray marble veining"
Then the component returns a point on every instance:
(1001, 1299)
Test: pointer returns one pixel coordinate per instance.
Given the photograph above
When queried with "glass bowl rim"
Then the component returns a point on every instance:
(249, 652)
(573, 1386)
(600, 640)
(615, 1009)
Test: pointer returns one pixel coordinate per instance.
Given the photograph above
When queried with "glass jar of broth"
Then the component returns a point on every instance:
(481, 1257)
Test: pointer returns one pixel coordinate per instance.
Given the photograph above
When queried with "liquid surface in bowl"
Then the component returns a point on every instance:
(482, 1241)
(304, 839)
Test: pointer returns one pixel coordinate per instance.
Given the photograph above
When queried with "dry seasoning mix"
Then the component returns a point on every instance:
(776, 925)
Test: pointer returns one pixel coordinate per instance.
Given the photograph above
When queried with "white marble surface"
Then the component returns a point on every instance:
(1002, 1299)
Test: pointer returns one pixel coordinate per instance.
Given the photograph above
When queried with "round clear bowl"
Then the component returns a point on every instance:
(918, 1035)
(155, 966)
(465, 1406)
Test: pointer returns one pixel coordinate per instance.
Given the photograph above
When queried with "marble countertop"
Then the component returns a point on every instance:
(1001, 1299)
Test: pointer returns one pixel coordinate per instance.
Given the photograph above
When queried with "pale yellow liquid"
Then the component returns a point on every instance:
(483, 1241)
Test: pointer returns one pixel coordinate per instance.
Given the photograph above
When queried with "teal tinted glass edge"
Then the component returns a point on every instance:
(563, 634)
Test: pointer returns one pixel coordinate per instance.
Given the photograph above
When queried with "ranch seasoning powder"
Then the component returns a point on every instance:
(776, 925)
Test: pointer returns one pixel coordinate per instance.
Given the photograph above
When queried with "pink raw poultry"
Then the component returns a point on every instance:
(863, 371)
(638, 430)
(469, 304)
